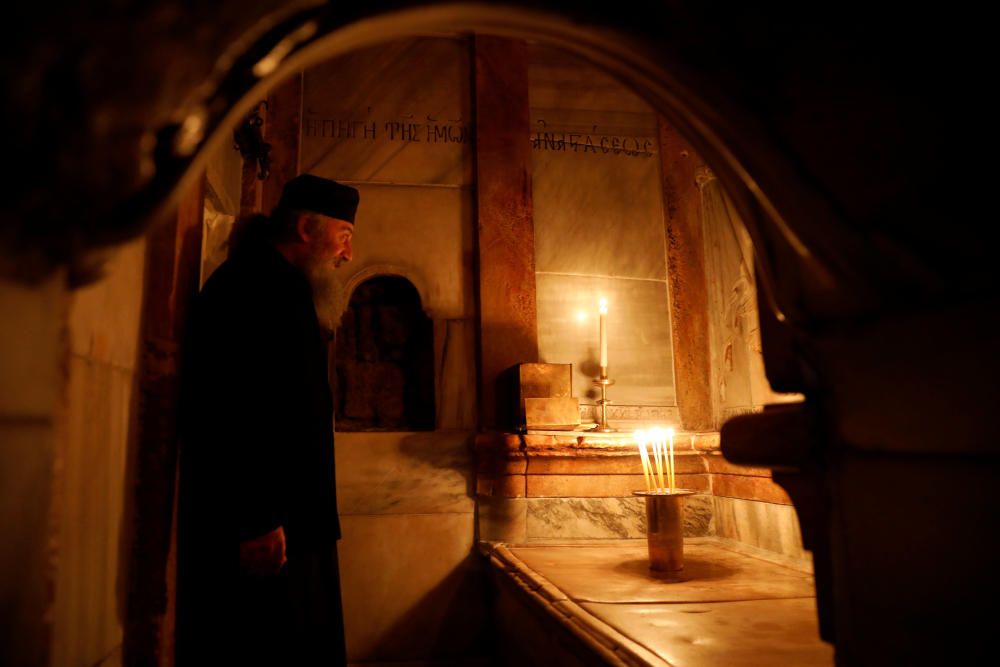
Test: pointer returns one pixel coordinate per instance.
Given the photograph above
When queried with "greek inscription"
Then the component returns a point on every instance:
(404, 131)
(595, 143)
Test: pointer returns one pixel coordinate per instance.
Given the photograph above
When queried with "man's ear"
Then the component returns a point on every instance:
(303, 228)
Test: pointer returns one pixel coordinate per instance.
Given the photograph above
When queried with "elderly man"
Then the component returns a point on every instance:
(257, 560)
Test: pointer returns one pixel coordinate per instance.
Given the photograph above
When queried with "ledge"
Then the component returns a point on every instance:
(575, 464)
(601, 606)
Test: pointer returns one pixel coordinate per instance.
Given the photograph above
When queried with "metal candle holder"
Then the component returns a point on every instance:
(665, 529)
(604, 382)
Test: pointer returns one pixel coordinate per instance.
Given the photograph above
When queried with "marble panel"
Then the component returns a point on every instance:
(638, 333)
(501, 486)
(596, 213)
(412, 589)
(86, 622)
(760, 524)
(553, 519)
(559, 80)
(404, 473)
(455, 377)
(585, 518)
(502, 519)
(104, 317)
(735, 634)
(397, 113)
(423, 234)
(619, 574)
(27, 551)
(30, 345)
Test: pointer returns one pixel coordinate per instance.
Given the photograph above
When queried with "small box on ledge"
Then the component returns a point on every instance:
(551, 382)
(555, 414)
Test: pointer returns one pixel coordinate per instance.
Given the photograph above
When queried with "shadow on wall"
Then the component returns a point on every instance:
(449, 623)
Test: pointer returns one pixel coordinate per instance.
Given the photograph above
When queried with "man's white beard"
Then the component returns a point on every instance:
(327, 293)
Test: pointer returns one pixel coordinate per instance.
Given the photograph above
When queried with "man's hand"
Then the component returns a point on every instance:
(263, 556)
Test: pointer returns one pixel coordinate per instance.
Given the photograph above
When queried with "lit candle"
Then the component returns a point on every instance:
(658, 447)
(673, 482)
(640, 437)
(604, 336)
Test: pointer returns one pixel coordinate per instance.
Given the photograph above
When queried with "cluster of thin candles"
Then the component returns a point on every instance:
(658, 466)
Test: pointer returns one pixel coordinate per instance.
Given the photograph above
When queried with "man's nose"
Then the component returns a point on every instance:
(348, 252)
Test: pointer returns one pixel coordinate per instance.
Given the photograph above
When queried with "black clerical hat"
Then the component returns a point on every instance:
(320, 195)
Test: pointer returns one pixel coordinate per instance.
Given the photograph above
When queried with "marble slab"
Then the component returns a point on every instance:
(711, 573)
(412, 589)
(559, 79)
(456, 388)
(638, 331)
(404, 473)
(597, 214)
(735, 634)
(423, 234)
(760, 524)
(585, 518)
(554, 519)
(397, 113)
(104, 317)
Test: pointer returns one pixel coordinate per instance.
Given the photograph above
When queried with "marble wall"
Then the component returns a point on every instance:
(32, 354)
(599, 229)
(97, 427)
(769, 526)
(738, 366)
(413, 589)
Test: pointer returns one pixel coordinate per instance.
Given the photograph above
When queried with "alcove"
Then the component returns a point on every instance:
(384, 360)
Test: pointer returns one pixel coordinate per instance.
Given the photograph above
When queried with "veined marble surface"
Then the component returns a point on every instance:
(711, 573)
(553, 519)
(750, 633)
(404, 473)
(396, 113)
(423, 234)
(765, 525)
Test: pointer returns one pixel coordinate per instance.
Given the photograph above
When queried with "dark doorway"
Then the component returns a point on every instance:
(385, 360)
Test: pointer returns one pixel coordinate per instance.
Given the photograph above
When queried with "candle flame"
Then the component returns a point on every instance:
(604, 306)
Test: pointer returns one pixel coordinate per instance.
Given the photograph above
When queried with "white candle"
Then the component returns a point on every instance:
(673, 482)
(604, 335)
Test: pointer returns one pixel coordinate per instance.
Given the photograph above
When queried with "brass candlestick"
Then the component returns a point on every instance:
(604, 382)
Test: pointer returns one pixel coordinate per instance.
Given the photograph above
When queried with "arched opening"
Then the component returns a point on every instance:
(384, 360)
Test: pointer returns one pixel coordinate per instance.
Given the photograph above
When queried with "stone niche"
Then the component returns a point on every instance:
(385, 360)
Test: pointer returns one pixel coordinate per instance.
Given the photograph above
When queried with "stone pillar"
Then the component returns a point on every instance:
(508, 317)
(688, 286)
(173, 259)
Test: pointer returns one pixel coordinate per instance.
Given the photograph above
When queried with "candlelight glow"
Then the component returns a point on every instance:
(581, 316)
(604, 306)
(658, 468)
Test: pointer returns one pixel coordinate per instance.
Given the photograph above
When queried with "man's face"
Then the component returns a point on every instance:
(327, 245)
(329, 241)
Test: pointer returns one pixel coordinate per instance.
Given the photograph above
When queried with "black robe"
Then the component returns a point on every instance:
(256, 452)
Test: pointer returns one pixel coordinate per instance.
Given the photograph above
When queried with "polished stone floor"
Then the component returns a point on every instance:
(729, 606)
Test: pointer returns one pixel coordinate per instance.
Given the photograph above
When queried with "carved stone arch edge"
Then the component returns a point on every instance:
(393, 270)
